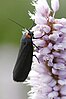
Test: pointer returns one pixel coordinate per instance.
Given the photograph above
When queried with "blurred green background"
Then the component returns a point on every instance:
(18, 11)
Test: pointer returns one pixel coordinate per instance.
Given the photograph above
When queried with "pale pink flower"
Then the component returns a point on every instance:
(54, 71)
(61, 21)
(54, 36)
(52, 95)
(63, 90)
(39, 19)
(42, 8)
(63, 97)
(37, 34)
(55, 5)
(48, 71)
(56, 88)
(57, 26)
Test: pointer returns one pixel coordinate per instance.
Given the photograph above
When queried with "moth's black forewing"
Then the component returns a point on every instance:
(24, 61)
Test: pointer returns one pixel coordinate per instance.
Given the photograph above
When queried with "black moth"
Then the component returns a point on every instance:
(25, 55)
(24, 60)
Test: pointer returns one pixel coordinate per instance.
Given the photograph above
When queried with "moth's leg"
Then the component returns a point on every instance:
(38, 37)
(36, 58)
(36, 46)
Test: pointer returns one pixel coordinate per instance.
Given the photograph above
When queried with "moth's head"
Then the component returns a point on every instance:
(29, 34)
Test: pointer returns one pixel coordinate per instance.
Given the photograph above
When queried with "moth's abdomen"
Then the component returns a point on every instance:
(24, 61)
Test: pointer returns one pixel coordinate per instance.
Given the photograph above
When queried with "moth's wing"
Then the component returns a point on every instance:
(23, 63)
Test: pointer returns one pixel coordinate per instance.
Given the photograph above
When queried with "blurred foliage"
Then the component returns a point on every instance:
(18, 11)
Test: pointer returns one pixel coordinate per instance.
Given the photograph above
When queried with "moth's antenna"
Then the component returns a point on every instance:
(16, 23)
(31, 26)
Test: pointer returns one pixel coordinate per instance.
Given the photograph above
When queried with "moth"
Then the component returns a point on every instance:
(24, 60)
(25, 56)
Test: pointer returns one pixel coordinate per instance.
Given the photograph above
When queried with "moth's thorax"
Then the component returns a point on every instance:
(28, 35)
(27, 38)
